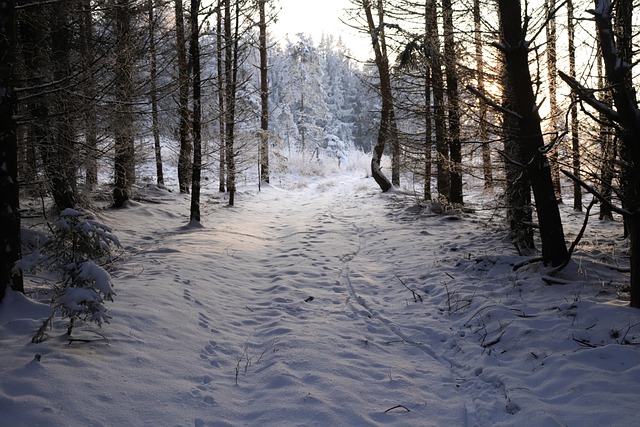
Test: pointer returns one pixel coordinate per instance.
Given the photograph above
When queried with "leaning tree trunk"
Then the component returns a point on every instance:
(515, 49)
(517, 184)
(382, 63)
(9, 195)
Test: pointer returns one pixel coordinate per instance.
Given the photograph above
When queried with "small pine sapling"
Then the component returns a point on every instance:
(77, 251)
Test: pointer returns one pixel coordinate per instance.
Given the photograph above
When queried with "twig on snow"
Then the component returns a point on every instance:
(493, 341)
(416, 295)
(398, 407)
(526, 262)
(585, 343)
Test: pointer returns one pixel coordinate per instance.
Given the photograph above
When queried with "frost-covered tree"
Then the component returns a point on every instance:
(303, 90)
(337, 77)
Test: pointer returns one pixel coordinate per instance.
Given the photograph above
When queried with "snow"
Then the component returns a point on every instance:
(329, 303)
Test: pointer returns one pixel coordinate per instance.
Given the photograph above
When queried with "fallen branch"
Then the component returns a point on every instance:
(526, 262)
(493, 341)
(549, 280)
(585, 343)
(416, 295)
(398, 407)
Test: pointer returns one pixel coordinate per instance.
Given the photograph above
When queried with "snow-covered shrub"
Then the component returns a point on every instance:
(336, 148)
(77, 251)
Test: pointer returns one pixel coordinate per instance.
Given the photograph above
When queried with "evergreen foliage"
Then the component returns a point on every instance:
(77, 251)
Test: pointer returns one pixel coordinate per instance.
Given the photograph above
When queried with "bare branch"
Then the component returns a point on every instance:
(492, 103)
(596, 193)
(586, 95)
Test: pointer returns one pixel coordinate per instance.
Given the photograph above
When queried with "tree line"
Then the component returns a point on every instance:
(481, 82)
(516, 95)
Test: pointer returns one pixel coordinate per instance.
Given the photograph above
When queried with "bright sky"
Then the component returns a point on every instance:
(315, 17)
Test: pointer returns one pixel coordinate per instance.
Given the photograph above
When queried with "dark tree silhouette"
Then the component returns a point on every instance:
(9, 195)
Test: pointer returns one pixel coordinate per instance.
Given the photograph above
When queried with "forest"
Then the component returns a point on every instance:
(536, 98)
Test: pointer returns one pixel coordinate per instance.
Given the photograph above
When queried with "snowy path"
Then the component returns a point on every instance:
(296, 294)
(329, 305)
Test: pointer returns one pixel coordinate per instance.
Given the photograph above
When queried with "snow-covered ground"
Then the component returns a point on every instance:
(327, 303)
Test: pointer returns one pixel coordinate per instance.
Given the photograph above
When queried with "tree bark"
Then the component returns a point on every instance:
(222, 162)
(184, 158)
(443, 179)
(10, 244)
(230, 74)
(428, 137)
(124, 164)
(197, 113)
(487, 167)
(455, 147)
(516, 49)
(554, 111)
(264, 95)
(575, 136)
(89, 88)
(517, 183)
(155, 124)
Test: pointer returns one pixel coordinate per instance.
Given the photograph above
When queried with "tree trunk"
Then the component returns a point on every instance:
(10, 244)
(606, 135)
(575, 138)
(554, 111)
(517, 184)
(515, 48)
(197, 113)
(155, 124)
(382, 62)
(264, 96)
(221, 106)
(487, 168)
(89, 88)
(123, 118)
(428, 137)
(231, 64)
(184, 158)
(63, 161)
(455, 147)
(442, 162)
